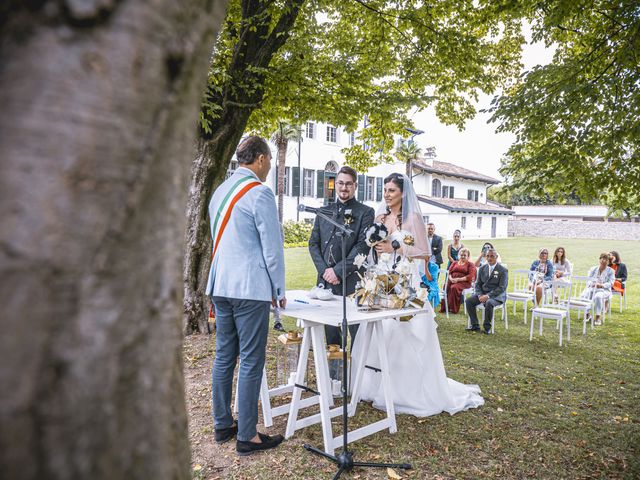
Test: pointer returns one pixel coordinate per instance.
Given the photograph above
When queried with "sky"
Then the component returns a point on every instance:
(478, 147)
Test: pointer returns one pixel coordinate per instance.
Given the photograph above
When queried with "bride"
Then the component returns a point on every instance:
(419, 383)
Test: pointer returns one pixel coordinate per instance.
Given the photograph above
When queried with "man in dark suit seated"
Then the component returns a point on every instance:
(490, 290)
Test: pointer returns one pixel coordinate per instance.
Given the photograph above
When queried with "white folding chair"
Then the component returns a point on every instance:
(581, 299)
(493, 316)
(622, 297)
(466, 293)
(550, 310)
(443, 290)
(521, 292)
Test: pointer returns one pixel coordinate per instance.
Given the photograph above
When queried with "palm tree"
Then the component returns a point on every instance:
(407, 153)
(285, 132)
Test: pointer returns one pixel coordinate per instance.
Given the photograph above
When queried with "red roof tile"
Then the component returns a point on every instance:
(444, 168)
(461, 205)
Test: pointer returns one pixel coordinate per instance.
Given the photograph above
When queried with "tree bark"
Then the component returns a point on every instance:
(242, 93)
(99, 102)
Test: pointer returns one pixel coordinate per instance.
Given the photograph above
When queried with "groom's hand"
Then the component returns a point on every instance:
(330, 276)
(283, 302)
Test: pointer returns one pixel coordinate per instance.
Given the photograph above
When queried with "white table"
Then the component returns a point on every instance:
(313, 316)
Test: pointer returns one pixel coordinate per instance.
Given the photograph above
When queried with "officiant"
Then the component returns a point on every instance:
(325, 243)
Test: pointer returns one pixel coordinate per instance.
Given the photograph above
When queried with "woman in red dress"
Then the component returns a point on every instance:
(461, 274)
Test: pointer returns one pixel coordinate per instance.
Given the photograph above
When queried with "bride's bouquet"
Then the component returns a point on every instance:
(387, 281)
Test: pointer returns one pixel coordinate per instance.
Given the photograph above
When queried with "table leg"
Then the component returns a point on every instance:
(300, 380)
(357, 371)
(386, 377)
(324, 384)
(265, 400)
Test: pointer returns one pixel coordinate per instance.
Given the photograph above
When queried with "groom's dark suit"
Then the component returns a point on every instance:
(326, 252)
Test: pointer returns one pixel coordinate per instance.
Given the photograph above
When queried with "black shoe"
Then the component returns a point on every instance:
(226, 434)
(472, 329)
(277, 325)
(486, 332)
(247, 448)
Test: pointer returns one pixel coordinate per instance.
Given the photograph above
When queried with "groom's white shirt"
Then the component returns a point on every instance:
(249, 263)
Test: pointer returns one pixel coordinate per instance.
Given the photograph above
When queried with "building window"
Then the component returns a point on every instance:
(310, 130)
(436, 188)
(232, 168)
(287, 171)
(352, 139)
(472, 195)
(479, 223)
(332, 134)
(307, 183)
(447, 192)
(371, 189)
(463, 222)
(425, 219)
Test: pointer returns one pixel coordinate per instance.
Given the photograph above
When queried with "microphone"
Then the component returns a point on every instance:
(304, 208)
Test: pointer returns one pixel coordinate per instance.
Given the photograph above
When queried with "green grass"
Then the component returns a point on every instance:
(551, 412)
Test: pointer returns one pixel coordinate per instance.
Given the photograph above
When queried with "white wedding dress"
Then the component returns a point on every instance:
(419, 383)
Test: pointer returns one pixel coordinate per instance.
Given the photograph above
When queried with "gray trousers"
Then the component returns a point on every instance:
(241, 329)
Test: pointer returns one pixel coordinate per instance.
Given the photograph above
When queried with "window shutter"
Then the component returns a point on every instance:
(378, 189)
(295, 182)
(320, 179)
(361, 185)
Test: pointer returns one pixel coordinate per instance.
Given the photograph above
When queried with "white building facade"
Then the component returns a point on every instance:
(450, 196)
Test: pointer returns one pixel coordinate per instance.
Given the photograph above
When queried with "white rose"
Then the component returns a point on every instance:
(422, 294)
(385, 257)
(370, 285)
(403, 268)
(360, 260)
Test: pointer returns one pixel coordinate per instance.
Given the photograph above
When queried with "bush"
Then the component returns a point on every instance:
(296, 244)
(296, 232)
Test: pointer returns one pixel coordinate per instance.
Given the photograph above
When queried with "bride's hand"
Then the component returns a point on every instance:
(384, 247)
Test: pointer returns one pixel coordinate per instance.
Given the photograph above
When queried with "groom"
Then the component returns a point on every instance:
(246, 276)
(325, 244)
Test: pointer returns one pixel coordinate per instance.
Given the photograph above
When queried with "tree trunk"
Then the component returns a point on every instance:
(283, 144)
(99, 102)
(207, 172)
(408, 168)
(241, 94)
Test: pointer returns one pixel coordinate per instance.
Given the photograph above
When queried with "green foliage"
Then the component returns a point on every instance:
(296, 232)
(516, 195)
(576, 120)
(345, 61)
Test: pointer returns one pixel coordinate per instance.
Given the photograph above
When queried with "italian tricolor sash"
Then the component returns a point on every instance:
(235, 193)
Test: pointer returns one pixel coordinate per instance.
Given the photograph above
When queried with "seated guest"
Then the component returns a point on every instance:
(540, 274)
(462, 273)
(601, 278)
(562, 270)
(620, 270)
(482, 258)
(453, 249)
(430, 279)
(490, 290)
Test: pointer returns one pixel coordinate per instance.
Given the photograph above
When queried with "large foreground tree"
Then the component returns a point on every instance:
(577, 119)
(339, 62)
(99, 101)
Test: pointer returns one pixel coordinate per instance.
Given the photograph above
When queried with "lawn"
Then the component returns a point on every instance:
(550, 412)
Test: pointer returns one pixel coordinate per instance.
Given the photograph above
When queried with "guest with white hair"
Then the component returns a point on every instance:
(601, 278)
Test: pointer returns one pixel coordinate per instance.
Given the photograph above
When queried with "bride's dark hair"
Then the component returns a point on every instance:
(398, 179)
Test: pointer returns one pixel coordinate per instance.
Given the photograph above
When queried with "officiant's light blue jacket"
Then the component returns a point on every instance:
(249, 263)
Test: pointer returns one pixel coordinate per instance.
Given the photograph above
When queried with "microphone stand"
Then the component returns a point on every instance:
(344, 460)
